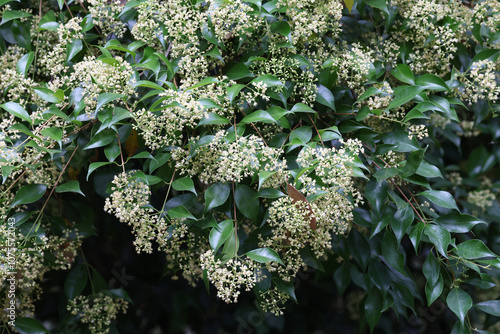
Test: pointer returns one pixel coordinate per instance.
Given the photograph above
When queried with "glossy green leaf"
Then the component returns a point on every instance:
(286, 287)
(218, 235)
(246, 201)
(431, 269)
(459, 302)
(373, 307)
(261, 116)
(302, 108)
(490, 306)
(238, 71)
(25, 325)
(268, 79)
(184, 184)
(458, 223)
(392, 254)
(427, 170)
(73, 49)
(75, 282)
(16, 110)
(29, 193)
(404, 94)
(432, 82)
(281, 27)
(440, 198)
(213, 118)
(233, 91)
(402, 220)
(439, 237)
(325, 97)
(216, 195)
(180, 212)
(434, 291)
(24, 63)
(105, 98)
(10, 15)
(473, 249)
(403, 73)
(93, 166)
(101, 139)
(47, 95)
(264, 255)
(72, 186)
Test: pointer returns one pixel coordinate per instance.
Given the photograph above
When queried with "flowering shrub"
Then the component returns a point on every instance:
(247, 142)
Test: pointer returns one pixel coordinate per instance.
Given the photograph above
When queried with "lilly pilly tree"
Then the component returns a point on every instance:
(249, 140)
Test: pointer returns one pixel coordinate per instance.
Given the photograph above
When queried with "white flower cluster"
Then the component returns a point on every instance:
(222, 160)
(482, 198)
(180, 109)
(129, 202)
(231, 276)
(105, 13)
(97, 310)
(417, 130)
(353, 65)
(481, 81)
(312, 19)
(96, 77)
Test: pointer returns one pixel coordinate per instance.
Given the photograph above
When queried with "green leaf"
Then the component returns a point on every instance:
(459, 302)
(281, 27)
(403, 94)
(213, 118)
(391, 253)
(427, 170)
(72, 186)
(325, 97)
(74, 48)
(286, 287)
(180, 212)
(16, 110)
(204, 82)
(47, 95)
(29, 193)
(302, 108)
(342, 278)
(431, 269)
(10, 15)
(473, 249)
(233, 91)
(258, 116)
(373, 307)
(413, 162)
(49, 22)
(402, 219)
(25, 325)
(359, 248)
(216, 195)
(148, 84)
(101, 139)
(304, 134)
(439, 237)
(53, 133)
(269, 80)
(264, 255)
(24, 63)
(231, 246)
(93, 166)
(105, 98)
(403, 73)
(490, 306)
(433, 291)
(269, 193)
(349, 4)
(246, 202)
(238, 71)
(440, 198)
(184, 184)
(385, 173)
(458, 223)
(75, 282)
(432, 82)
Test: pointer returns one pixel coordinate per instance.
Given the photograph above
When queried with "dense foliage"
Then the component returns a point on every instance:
(250, 144)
